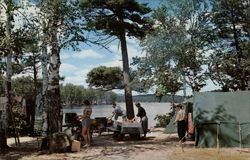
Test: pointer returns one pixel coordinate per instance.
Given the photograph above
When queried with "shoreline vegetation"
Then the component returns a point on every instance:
(100, 104)
(147, 98)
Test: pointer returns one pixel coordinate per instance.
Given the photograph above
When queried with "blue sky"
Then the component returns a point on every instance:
(76, 65)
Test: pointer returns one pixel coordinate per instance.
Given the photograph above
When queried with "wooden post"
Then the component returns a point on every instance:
(217, 140)
(240, 136)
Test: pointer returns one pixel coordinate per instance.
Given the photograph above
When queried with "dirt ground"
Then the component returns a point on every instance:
(157, 146)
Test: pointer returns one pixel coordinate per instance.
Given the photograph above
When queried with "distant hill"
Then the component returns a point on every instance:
(151, 98)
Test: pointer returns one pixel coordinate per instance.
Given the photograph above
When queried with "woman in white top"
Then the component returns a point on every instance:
(180, 120)
(86, 123)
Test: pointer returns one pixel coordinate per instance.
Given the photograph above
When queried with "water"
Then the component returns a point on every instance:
(152, 109)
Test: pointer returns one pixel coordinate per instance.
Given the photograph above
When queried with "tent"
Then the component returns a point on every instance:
(171, 128)
(222, 119)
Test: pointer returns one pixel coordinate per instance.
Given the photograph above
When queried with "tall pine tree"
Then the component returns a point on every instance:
(118, 18)
(230, 61)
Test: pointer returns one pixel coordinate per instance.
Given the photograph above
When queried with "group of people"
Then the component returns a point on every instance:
(86, 120)
(141, 114)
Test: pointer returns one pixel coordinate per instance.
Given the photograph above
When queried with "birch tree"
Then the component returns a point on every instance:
(62, 28)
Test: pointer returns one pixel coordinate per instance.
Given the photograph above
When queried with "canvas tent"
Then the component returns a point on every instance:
(171, 128)
(222, 119)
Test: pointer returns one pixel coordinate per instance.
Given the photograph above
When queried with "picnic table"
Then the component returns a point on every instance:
(121, 128)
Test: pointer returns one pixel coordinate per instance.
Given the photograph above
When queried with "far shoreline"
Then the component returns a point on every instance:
(106, 104)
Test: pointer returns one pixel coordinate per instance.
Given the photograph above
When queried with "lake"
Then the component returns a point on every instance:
(152, 110)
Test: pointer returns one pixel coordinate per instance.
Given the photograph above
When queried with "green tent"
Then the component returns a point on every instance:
(171, 128)
(222, 119)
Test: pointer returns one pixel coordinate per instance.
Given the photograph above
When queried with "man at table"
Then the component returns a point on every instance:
(117, 111)
(144, 119)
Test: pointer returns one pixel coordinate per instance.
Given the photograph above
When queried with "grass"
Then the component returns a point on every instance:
(208, 154)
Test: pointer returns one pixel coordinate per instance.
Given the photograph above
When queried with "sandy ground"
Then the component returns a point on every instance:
(157, 146)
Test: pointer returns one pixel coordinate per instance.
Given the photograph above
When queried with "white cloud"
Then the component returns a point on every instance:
(67, 68)
(131, 40)
(113, 63)
(74, 74)
(77, 80)
(133, 51)
(82, 72)
(89, 53)
(65, 55)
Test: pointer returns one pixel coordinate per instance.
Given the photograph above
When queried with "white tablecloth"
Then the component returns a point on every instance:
(129, 127)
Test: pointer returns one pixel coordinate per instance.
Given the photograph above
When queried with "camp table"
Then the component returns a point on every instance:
(121, 128)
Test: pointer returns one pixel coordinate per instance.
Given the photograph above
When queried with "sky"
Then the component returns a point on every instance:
(76, 64)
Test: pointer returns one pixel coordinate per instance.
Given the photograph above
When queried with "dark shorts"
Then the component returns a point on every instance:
(86, 122)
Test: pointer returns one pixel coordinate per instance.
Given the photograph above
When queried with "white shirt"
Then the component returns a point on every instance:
(180, 116)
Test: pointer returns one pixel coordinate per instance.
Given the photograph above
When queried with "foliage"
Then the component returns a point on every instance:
(27, 89)
(63, 17)
(153, 98)
(229, 61)
(164, 119)
(113, 16)
(106, 78)
(167, 82)
(20, 120)
(119, 18)
(75, 95)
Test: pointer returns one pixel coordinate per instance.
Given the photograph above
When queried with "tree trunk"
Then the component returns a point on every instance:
(44, 61)
(126, 78)
(33, 106)
(53, 92)
(172, 95)
(3, 141)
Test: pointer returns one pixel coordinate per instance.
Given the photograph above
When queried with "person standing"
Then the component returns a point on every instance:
(117, 111)
(86, 123)
(143, 116)
(180, 120)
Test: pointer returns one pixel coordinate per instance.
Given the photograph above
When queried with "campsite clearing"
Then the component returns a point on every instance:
(158, 146)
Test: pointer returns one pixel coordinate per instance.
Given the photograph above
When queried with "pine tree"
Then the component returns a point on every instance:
(119, 18)
(230, 60)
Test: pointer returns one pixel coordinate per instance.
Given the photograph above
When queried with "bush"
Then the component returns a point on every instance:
(164, 119)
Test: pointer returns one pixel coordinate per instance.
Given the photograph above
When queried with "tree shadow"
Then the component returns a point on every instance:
(219, 122)
(105, 144)
(17, 152)
(219, 114)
